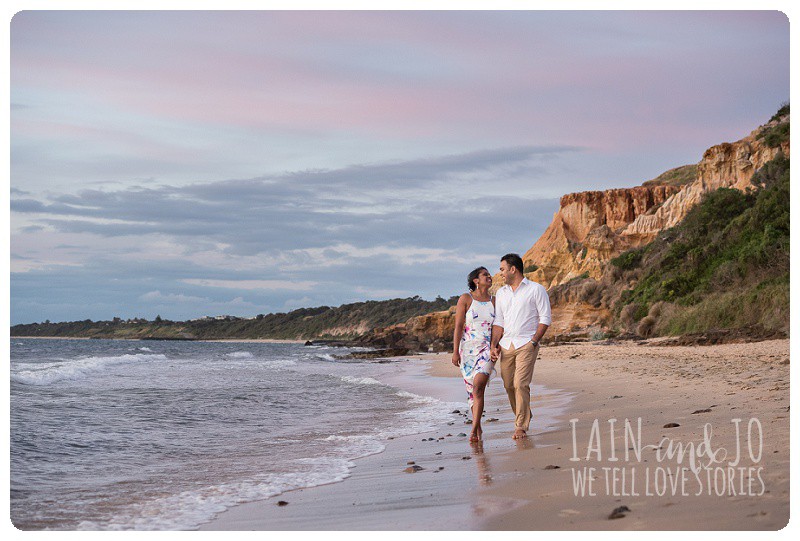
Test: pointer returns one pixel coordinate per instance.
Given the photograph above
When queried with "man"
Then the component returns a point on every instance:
(522, 316)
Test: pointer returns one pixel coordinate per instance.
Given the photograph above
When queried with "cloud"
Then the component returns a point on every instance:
(266, 285)
(158, 297)
(419, 203)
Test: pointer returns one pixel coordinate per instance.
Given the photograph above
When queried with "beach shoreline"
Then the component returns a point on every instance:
(530, 485)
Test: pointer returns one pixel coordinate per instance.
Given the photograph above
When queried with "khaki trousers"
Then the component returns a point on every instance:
(516, 369)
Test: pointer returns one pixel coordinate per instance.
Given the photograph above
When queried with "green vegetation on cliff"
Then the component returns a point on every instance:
(346, 321)
(679, 176)
(726, 265)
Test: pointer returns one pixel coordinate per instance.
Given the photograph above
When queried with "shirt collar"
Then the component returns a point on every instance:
(524, 281)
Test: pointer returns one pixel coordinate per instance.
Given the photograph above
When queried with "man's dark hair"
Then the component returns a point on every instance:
(471, 277)
(514, 260)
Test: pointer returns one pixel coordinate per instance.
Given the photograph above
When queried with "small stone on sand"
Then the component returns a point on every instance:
(619, 512)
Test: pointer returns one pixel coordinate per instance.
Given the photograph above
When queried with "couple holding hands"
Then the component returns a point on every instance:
(508, 328)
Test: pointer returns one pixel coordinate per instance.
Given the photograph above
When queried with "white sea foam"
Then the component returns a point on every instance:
(360, 381)
(47, 373)
(240, 355)
(325, 356)
(144, 349)
(188, 509)
(418, 399)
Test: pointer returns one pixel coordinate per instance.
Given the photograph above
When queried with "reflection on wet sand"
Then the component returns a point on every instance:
(482, 461)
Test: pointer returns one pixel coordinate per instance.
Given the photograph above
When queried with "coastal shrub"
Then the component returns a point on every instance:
(782, 112)
(678, 176)
(630, 314)
(582, 276)
(598, 334)
(646, 326)
(765, 306)
(655, 310)
(776, 135)
(628, 260)
(591, 293)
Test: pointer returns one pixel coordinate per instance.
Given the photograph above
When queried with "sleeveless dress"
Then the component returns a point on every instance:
(475, 344)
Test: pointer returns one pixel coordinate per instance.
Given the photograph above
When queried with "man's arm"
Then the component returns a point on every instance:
(540, 330)
(542, 301)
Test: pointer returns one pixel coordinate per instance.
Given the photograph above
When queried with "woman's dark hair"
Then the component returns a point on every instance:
(474, 276)
(514, 260)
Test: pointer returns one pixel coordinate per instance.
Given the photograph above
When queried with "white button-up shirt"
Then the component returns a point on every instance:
(520, 312)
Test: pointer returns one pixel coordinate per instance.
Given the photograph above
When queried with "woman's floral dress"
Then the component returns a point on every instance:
(475, 343)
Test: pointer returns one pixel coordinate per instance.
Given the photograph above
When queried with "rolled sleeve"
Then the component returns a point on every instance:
(543, 306)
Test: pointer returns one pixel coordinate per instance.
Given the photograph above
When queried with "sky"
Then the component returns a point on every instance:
(187, 163)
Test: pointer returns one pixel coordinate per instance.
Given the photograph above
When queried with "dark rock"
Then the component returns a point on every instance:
(441, 468)
(282, 503)
(466, 458)
(413, 469)
(308, 343)
(462, 435)
(619, 512)
(391, 352)
(439, 453)
(492, 419)
(456, 411)
(671, 425)
(552, 467)
(468, 422)
(616, 396)
(701, 411)
(410, 462)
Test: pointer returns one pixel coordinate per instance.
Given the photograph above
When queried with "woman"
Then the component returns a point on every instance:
(471, 341)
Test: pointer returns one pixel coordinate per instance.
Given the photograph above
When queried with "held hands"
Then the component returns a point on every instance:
(495, 353)
(456, 359)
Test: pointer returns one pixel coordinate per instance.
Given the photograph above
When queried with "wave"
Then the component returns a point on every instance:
(144, 349)
(74, 369)
(188, 509)
(361, 381)
(240, 355)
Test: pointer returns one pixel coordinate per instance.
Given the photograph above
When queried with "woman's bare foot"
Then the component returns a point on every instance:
(519, 434)
(476, 434)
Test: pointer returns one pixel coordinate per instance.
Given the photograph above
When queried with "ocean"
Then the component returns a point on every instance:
(164, 435)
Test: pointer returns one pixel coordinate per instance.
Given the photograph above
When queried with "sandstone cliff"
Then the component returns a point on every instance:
(586, 232)
(591, 228)
(728, 165)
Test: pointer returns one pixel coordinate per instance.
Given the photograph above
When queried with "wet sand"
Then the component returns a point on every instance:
(530, 484)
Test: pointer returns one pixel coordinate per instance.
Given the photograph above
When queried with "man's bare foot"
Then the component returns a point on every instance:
(519, 434)
(476, 434)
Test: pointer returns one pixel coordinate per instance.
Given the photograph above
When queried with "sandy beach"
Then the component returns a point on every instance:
(713, 402)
